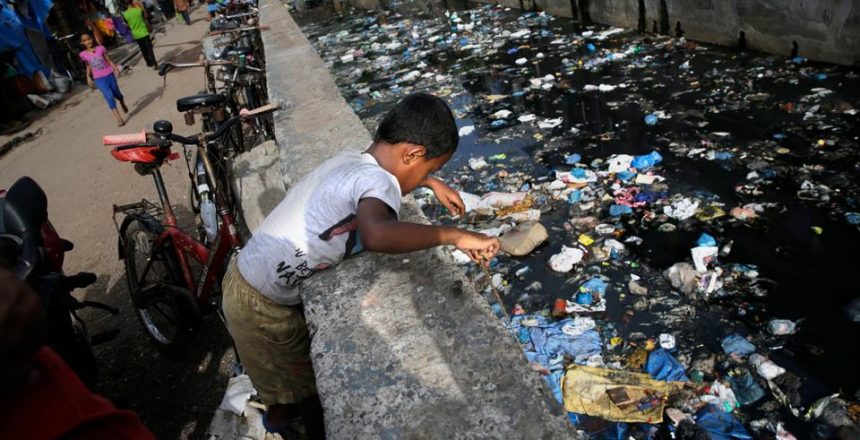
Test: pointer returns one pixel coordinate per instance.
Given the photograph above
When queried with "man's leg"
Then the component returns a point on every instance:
(150, 52)
(141, 43)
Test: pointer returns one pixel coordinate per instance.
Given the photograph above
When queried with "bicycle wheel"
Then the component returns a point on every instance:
(168, 313)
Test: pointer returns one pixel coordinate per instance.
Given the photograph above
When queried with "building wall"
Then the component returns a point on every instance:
(825, 30)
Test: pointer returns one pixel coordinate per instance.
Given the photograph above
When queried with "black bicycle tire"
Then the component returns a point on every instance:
(180, 303)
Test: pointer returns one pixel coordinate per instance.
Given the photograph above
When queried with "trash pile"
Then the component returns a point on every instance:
(654, 199)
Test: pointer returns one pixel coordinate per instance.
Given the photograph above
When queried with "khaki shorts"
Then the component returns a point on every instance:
(272, 341)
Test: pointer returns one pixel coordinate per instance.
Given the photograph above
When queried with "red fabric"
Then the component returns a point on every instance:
(58, 405)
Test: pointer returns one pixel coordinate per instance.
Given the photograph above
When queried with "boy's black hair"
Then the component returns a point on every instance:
(420, 119)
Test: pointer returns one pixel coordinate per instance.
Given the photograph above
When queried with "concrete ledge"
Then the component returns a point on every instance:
(401, 349)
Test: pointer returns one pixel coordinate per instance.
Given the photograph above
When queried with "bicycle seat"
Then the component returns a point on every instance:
(140, 153)
(222, 25)
(237, 51)
(189, 103)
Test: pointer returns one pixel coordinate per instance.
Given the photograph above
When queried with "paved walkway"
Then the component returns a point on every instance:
(175, 397)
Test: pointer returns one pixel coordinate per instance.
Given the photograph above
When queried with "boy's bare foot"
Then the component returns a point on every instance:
(120, 123)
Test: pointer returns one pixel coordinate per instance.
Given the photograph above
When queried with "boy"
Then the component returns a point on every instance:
(347, 204)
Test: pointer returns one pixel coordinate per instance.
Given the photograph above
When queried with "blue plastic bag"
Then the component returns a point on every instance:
(572, 159)
(594, 285)
(584, 298)
(720, 425)
(662, 365)
(746, 389)
(706, 240)
(651, 119)
(625, 175)
(736, 343)
(646, 161)
(619, 210)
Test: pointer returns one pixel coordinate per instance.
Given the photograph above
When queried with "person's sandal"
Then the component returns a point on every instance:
(286, 431)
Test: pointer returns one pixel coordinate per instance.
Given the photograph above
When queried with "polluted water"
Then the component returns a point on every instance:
(679, 220)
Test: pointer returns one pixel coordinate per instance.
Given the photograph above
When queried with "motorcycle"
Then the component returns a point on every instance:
(32, 249)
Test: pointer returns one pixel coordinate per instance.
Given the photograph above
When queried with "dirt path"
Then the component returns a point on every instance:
(175, 396)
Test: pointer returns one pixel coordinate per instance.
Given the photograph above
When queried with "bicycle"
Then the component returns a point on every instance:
(214, 109)
(167, 298)
(66, 57)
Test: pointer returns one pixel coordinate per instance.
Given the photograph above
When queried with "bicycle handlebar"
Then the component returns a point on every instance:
(168, 66)
(252, 13)
(241, 29)
(244, 115)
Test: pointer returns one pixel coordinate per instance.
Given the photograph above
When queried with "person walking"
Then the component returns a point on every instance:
(182, 8)
(136, 19)
(102, 73)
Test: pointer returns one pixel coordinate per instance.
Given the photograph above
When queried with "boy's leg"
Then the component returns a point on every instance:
(187, 17)
(274, 345)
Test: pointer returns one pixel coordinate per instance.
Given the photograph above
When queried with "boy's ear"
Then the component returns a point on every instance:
(413, 152)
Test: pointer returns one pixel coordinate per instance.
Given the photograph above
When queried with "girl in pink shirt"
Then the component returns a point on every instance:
(102, 73)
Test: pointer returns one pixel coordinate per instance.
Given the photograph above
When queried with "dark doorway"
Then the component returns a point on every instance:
(642, 22)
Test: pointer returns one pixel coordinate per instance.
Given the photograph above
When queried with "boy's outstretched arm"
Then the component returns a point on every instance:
(447, 196)
(379, 232)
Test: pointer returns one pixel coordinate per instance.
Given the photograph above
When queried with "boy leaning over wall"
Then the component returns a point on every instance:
(347, 204)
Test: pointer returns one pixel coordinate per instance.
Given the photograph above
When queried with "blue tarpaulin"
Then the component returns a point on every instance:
(14, 38)
(546, 344)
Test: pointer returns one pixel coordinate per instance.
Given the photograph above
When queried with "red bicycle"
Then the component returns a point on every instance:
(167, 297)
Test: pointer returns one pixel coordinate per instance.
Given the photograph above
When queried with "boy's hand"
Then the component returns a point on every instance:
(447, 196)
(479, 247)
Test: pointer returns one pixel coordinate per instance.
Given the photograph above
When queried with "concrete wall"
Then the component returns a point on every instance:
(403, 346)
(825, 30)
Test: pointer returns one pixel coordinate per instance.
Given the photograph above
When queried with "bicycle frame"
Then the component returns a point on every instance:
(186, 246)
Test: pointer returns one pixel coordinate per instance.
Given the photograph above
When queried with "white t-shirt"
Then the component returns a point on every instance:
(314, 226)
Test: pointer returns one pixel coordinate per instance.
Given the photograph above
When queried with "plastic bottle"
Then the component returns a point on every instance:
(726, 249)
(209, 216)
(208, 213)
